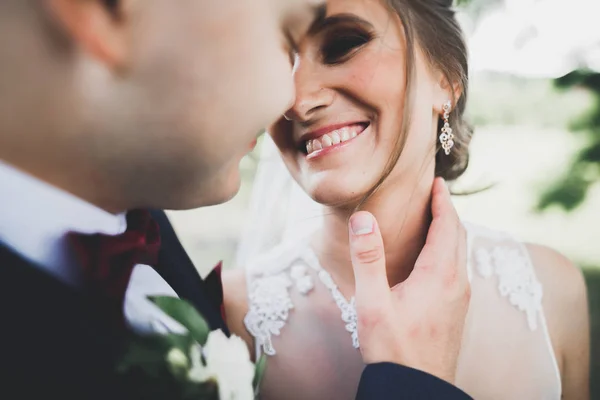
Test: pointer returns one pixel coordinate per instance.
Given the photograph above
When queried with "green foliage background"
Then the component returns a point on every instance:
(572, 100)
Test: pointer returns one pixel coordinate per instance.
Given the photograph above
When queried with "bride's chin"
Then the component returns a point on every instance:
(335, 199)
(334, 190)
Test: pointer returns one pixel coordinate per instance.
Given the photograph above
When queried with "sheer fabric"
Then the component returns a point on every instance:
(506, 351)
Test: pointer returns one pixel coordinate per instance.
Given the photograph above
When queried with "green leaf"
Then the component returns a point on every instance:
(259, 373)
(145, 353)
(184, 313)
(568, 193)
(208, 390)
(149, 353)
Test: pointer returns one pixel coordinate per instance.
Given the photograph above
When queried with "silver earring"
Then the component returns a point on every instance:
(447, 137)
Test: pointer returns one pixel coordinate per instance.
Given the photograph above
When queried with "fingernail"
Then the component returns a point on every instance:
(361, 224)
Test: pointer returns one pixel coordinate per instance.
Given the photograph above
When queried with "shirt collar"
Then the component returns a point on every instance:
(36, 216)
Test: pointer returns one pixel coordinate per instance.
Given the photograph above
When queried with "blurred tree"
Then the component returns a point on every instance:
(570, 190)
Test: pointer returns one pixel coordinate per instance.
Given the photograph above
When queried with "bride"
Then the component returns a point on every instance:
(381, 90)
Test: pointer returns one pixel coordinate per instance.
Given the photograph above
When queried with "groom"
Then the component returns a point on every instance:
(115, 105)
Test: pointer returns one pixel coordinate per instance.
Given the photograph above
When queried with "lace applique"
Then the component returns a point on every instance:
(516, 278)
(484, 263)
(303, 281)
(270, 304)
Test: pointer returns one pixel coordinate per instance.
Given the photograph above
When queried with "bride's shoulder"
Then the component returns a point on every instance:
(559, 276)
(564, 301)
(562, 281)
(557, 280)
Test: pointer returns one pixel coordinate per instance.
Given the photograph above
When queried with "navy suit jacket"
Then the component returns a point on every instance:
(392, 381)
(56, 342)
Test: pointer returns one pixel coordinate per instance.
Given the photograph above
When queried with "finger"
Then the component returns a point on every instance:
(442, 237)
(368, 260)
(441, 202)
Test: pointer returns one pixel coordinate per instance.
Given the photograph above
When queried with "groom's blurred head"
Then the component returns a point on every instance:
(143, 103)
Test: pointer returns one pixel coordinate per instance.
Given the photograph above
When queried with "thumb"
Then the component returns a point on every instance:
(368, 259)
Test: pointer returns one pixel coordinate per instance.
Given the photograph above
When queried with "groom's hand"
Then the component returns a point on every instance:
(418, 323)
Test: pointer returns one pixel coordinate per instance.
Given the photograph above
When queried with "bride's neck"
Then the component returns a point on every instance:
(403, 214)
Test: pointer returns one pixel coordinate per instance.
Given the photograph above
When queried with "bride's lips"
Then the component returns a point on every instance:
(330, 138)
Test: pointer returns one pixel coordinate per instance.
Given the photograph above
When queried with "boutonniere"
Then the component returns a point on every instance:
(197, 365)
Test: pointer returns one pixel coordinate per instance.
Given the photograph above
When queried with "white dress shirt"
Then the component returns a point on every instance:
(36, 217)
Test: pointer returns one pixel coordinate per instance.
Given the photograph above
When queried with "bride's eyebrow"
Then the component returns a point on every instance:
(336, 19)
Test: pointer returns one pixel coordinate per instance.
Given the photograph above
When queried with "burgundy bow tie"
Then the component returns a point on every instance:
(108, 261)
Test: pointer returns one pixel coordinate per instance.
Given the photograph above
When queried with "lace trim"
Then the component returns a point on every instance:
(348, 308)
(516, 278)
(270, 302)
(303, 281)
(270, 305)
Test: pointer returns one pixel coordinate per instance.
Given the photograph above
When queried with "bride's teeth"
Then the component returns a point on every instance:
(335, 138)
(345, 135)
(331, 139)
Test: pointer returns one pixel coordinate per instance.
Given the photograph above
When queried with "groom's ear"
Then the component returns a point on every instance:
(98, 27)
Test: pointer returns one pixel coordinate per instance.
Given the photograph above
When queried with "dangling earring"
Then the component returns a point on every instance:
(447, 137)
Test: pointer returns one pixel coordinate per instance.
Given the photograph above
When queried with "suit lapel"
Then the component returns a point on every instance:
(175, 267)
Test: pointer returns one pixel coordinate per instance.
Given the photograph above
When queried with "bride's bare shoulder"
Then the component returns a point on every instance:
(565, 294)
(566, 309)
(236, 303)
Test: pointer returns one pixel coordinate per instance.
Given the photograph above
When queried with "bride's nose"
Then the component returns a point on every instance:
(312, 94)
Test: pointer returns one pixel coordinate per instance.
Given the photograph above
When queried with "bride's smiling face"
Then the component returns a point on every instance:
(350, 80)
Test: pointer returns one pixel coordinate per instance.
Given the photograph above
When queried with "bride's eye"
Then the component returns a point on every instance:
(342, 45)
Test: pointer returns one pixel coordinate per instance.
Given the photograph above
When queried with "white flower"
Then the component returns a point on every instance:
(228, 363)
(199, 372)
(178, 362)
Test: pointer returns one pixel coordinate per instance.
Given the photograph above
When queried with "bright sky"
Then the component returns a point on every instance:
(537, 38)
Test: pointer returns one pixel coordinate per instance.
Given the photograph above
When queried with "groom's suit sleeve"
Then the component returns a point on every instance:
(392, 381)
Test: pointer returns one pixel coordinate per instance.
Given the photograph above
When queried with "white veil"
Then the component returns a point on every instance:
(279, 209)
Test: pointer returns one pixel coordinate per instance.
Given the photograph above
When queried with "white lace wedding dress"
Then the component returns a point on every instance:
(307, 328)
